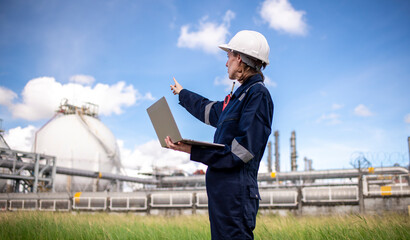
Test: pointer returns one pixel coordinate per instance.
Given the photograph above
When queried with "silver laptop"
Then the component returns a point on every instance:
(165, 125)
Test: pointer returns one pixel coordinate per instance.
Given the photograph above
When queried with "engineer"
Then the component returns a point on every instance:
(243, 124)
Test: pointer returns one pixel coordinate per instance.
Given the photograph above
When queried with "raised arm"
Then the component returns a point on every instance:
(176, 88)
(200, 107)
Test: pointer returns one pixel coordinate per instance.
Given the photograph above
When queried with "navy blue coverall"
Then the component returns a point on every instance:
(244, 127)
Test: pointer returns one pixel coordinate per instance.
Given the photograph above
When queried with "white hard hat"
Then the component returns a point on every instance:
(250, 43)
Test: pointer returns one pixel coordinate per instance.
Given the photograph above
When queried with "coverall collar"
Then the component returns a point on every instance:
(254, 79)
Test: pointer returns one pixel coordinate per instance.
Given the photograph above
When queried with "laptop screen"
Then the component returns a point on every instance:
(163, 121)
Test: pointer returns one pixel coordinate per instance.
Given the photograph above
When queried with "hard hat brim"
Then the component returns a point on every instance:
(225, 47)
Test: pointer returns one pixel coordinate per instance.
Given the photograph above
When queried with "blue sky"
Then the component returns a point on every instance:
(339, 73)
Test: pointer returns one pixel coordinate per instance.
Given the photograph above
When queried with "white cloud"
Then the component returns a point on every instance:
(208, 36)
(21, 138)
(6, 96)
(82, 79)
(225, 81)
(281, 16)
(148, 96)
(407, 118)
(330, 119)
(229, 15)
(363, 111)
(42, 96)
(269, 82)
(336, 106)
(151, 155)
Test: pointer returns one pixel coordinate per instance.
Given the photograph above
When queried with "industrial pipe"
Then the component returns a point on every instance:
(77, 172)
(325, 174)
(200, 179)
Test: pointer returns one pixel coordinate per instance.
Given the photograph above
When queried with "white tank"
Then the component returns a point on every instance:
(79, 140)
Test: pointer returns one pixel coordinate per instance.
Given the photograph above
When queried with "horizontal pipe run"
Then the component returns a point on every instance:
(78, 172)
(328, 174)
(200, 179)
(303, 175)
(22, 177)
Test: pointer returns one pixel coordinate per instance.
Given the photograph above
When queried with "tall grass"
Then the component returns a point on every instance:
(335, 227)
(46, 225)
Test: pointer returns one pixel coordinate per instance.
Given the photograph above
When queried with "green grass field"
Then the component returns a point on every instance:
(47, 225)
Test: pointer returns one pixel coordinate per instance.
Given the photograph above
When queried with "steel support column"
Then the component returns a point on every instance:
(36, 165)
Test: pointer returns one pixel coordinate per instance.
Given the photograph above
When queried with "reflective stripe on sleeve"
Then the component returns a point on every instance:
(246, 91)
(208, 111)
(242, 96)
(241, 152)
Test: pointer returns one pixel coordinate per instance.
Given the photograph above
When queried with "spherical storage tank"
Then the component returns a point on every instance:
(79, 140)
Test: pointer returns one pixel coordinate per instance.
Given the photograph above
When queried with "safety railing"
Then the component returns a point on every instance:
(278, 198)
(90, 203)
(3, 205)
(23, 205)
(330, 194)
(399, 186)
(128, 203)
(55, 205)
(171, 200)
(201, 199)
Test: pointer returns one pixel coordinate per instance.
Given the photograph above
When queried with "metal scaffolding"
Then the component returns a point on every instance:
(30, 171)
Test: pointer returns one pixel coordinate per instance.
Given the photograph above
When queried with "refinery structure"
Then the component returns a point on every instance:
(75, 165)
(79, 140)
